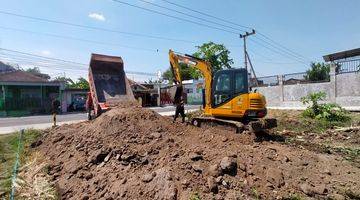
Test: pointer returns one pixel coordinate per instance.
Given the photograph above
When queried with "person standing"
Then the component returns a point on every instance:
(180, 109)
(55, 104)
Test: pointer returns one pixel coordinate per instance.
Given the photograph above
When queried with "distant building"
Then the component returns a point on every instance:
(346, 61)
(74, 99)
(6, 68)
(22, 93)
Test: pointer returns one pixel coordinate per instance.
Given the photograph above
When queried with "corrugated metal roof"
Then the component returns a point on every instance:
(342, 55)
(21, 76)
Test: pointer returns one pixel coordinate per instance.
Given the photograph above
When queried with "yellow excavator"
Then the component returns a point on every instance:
(226, 96)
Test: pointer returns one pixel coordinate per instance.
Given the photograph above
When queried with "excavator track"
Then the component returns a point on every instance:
(252, 126)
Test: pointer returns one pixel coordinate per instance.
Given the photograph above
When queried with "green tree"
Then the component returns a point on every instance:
(81, 83)
(186, 73)
(216, 54)
(318, 72)
(36, 71)
(68, 81)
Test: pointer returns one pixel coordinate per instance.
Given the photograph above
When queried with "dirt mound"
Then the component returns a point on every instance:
(134, 153)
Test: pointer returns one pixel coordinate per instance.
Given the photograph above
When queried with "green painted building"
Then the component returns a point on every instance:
(22, 93)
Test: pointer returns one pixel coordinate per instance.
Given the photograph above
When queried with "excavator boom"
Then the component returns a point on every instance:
(199, 64)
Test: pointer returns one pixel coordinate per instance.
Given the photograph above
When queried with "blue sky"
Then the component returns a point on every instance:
(311, 28)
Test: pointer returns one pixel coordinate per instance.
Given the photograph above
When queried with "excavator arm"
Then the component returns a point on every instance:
(199, 64)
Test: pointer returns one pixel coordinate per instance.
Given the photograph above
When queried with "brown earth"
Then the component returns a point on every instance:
(134, 153)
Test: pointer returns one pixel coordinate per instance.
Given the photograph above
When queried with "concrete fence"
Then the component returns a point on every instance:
(343, 89)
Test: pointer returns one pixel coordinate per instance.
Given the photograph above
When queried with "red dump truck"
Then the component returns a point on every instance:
(109, 85)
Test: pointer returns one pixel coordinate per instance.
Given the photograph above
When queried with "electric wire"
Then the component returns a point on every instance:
(94, 27)
(175, 17)
(193, 16)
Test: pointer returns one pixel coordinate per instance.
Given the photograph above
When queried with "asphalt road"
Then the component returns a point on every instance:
(11, 124)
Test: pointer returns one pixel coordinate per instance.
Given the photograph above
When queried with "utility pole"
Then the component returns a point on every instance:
(246, 55)
(244, 36)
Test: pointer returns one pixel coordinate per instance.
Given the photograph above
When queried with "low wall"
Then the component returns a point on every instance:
(343, 89)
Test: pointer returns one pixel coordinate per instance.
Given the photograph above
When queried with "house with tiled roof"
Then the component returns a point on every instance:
(23, 93)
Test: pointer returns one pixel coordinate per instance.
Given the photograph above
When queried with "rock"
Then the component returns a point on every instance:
(147, 178)
(219, 179)
(197, 168)
(336, 197)
(286, 159)
(224, 139)
(156, 135)
(228, 165)
(307, 189)
(98, 156)
(58, 139)
(242, 167)
(320, 189)
(123, 181)
(85, 197)
(185, 183)
(36, 144)
(225, 184)
(107, 158)
(88, 176)
(275, 177)
(211, 183)
(312, 190)
(327, 171)
(163, 185)
(215, 170)
(127, 157)
(195, 156)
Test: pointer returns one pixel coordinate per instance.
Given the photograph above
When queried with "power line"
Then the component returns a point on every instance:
(88, 27)
(100, 29)
(239, 25)
(262, 34)
(175, 17)
(276, 51)
(79, 39)
(201, 24)
(208, 15)
(44, 57)
(193, 16)
(287, 52)
(95, 28)
(70, 62)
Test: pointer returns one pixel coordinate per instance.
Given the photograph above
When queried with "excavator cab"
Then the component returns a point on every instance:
(228, 84)
(231, 97)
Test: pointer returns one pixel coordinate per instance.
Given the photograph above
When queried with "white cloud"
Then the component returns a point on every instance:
(46, 53)
(97, 16)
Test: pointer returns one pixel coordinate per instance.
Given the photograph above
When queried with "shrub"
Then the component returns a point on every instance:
(326, 111)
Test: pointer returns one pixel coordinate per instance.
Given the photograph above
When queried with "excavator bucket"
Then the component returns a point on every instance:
(108, 81)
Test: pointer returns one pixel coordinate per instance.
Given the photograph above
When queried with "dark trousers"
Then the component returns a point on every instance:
(180, 110)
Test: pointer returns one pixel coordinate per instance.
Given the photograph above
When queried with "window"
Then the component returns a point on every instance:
(222, 91)
(240, 83)
(223, 82)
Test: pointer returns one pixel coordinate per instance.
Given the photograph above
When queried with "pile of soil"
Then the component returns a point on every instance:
(134, 153)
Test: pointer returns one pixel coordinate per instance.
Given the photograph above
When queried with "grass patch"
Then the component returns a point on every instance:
(291, 120)
(195, 196)
(8, 150)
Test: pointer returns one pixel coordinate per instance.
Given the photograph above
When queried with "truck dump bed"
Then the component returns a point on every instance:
(108, 81)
